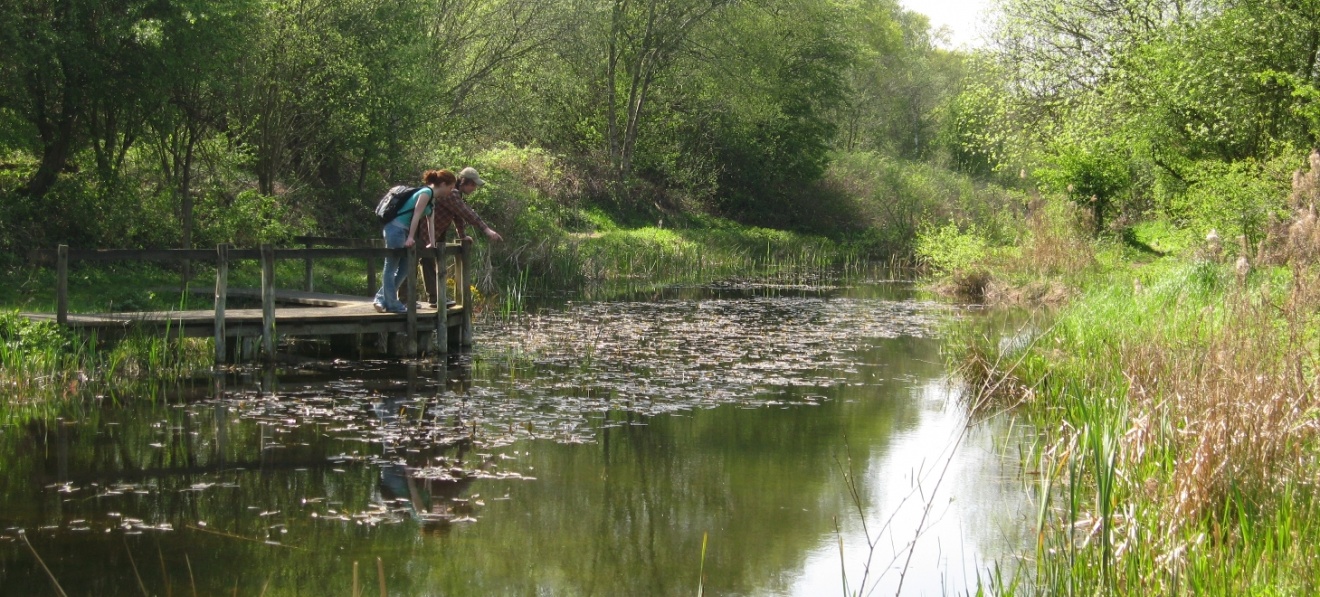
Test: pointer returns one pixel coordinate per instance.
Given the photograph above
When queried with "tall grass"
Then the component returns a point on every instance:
(44, 366)
(1179, 422)
(618, 262)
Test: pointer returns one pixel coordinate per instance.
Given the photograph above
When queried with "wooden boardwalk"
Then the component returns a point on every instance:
(284, 312)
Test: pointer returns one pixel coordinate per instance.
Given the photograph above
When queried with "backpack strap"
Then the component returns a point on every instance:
(409, 210)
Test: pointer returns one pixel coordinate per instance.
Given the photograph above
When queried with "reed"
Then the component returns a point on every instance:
(620, 262)
(1180, 427)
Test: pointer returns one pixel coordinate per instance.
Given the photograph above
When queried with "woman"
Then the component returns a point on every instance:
(401, 233)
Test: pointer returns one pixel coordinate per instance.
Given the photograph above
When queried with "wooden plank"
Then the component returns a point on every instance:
(207, 255)
(268, 301)
(357, 253)
(291, 297)
(221, 294)
(62, 285)
(248, 323)
(333, 241)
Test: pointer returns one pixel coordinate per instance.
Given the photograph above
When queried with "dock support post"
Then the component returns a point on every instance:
(441, 304)
(465, 291)
(268, 301)
(221, 295)
(307, 269)
(62, 285)
(410, 328)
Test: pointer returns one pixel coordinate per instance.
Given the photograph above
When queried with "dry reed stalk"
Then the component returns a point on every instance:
(1056, 244)
(1237, 407)
(191, 581)
(164, 572)
(133, 563)
(58, 588)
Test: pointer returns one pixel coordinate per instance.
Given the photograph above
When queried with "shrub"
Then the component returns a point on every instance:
(949, 249)
(248, 219)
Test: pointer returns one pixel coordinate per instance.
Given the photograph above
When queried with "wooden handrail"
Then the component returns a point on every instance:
(209, 255)
(223, 255)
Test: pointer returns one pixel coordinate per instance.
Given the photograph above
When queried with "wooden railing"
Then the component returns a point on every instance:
(224, 255)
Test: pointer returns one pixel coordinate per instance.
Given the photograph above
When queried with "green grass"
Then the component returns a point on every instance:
(1177, 409)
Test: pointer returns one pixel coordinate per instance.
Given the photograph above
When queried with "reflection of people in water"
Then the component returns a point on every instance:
(427, 481)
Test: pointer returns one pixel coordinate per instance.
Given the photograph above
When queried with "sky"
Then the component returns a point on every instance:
(964, 18)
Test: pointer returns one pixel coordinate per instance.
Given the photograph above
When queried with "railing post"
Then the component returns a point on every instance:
(62, 285)
(465, 290)
(441, 301)
(268, 301)
(411, 327)
(221, 295)
(372, 286)
(307, 268)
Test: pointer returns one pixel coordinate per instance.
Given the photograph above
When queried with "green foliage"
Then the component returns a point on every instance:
(20, 338)
(885, 201)
(1235, 199)
(949, 249)
(249, 219)
(1093, 174)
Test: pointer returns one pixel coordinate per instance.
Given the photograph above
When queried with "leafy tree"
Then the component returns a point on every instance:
(1093, 173)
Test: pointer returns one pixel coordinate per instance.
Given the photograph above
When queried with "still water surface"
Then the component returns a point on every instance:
(596, 448)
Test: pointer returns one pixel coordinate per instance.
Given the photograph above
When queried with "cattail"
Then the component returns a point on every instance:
(1213, 244)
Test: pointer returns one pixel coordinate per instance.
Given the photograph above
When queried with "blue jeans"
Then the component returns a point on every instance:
(395, 273)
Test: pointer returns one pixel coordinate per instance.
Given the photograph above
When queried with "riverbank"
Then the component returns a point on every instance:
(1176, 404)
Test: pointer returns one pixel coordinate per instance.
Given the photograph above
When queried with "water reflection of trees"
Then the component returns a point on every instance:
(285, 482)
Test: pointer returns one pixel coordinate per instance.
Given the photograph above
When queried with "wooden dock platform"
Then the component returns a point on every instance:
(284, 312)
(289, 321)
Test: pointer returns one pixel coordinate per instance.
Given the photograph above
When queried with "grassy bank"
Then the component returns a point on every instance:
(1177, 410)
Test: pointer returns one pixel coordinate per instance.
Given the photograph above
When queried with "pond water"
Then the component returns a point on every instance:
(744, 440)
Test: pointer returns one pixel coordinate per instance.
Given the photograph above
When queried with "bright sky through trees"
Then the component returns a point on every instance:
(965, 19)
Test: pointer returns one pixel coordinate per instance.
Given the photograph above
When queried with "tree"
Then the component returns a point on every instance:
(644, 38)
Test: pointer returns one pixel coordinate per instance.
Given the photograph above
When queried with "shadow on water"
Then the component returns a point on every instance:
(585, 449)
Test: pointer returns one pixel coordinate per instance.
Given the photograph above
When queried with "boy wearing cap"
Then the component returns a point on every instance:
(453, 209)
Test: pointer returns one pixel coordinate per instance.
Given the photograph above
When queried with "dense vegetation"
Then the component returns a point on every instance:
(1174, 393)
(189, 123)
(1084, 153)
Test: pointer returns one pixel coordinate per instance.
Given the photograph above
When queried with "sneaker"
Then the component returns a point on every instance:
(399, 309)
(379, 307)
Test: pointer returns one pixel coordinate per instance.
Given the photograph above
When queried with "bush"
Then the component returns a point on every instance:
(248, 219)
(22, 339)
(892, 201)
(1235, 199)
(949, 249)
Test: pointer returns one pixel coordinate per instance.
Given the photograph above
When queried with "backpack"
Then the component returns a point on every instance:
(388, 207)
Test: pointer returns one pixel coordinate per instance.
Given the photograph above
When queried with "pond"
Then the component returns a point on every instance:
(736, 439)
